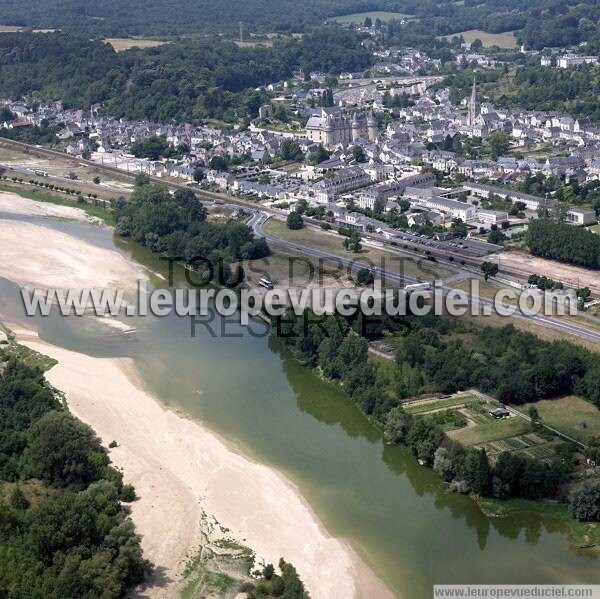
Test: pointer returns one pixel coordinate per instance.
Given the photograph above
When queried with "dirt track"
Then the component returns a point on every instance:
(571, 276)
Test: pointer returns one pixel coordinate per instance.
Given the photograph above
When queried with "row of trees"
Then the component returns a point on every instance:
(561, 241)
(66, 534)
(176, 225)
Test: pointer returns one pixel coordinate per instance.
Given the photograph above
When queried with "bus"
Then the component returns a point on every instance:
(265, 283)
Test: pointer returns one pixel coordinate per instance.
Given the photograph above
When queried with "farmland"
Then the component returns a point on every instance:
(120, 44)
(466, 419)
(571, 415)
(359, 17)
(502, 40)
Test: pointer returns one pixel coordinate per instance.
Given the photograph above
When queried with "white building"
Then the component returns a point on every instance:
(581, 216)
(451, 208)
(492, 217)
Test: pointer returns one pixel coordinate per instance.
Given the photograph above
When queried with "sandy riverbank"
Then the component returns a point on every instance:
(15, 204)
(181, 470)
(37, 257)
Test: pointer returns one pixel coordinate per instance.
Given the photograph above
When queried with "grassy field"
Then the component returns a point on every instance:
(423, 270)
(491, 430)
(358, 18)
(595, 229)
(120, 44)
(502, 40)
(567, 414)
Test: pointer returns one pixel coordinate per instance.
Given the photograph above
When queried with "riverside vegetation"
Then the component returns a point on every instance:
(63, 529)
(176, 225)
(435, 354)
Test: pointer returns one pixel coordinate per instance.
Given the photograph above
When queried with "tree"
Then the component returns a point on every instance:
(404, 204)
(290, 150)
(268, 571)
(591, 385)
(18, 500)
(496, 237)
(499, 144)
(63, 451)
(534, 416)
(318, 156)
(152, 147)
(489, 269)
(477, 472)
(128, 494)
(358, 154)
(96, 180)
(584, 501)
(564, 242)
(364, 277)
(218, 163)
(368, 22)
(352, 243)
(198, 175)
(295, 221)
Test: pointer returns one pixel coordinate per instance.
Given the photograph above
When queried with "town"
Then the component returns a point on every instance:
(316, 284)
(343, 146)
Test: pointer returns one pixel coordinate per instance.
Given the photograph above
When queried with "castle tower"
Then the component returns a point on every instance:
(372, 128)
(355, 127)
(473, 106)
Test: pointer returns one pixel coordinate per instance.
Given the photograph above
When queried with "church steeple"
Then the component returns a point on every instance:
(473, 105)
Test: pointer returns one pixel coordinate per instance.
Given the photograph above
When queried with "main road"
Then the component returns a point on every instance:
(485, 306)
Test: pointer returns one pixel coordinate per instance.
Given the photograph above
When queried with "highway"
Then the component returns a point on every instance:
(485, 306)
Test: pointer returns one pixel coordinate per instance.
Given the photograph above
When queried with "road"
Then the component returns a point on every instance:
(485, 306)
(96, 187)
(454, 256)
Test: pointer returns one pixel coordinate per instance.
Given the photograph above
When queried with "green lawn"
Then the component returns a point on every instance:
(567, 415)
(451, 402)
(491, 430)
(595, 229)
(358, 18)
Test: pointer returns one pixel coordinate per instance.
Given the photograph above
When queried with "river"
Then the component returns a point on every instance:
(396, 514)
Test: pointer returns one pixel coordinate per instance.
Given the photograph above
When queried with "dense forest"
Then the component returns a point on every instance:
(541, 22)
(185, 81)
(560, 241)
(63, 530)
(177, 225)
(439, 355)
(574, 91)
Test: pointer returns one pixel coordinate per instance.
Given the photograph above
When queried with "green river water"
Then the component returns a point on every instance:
(394, 512)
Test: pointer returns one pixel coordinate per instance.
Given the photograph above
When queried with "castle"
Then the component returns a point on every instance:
(335, 128)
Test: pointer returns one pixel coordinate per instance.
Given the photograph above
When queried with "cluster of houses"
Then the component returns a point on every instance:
(567, 60)
(391, 160)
